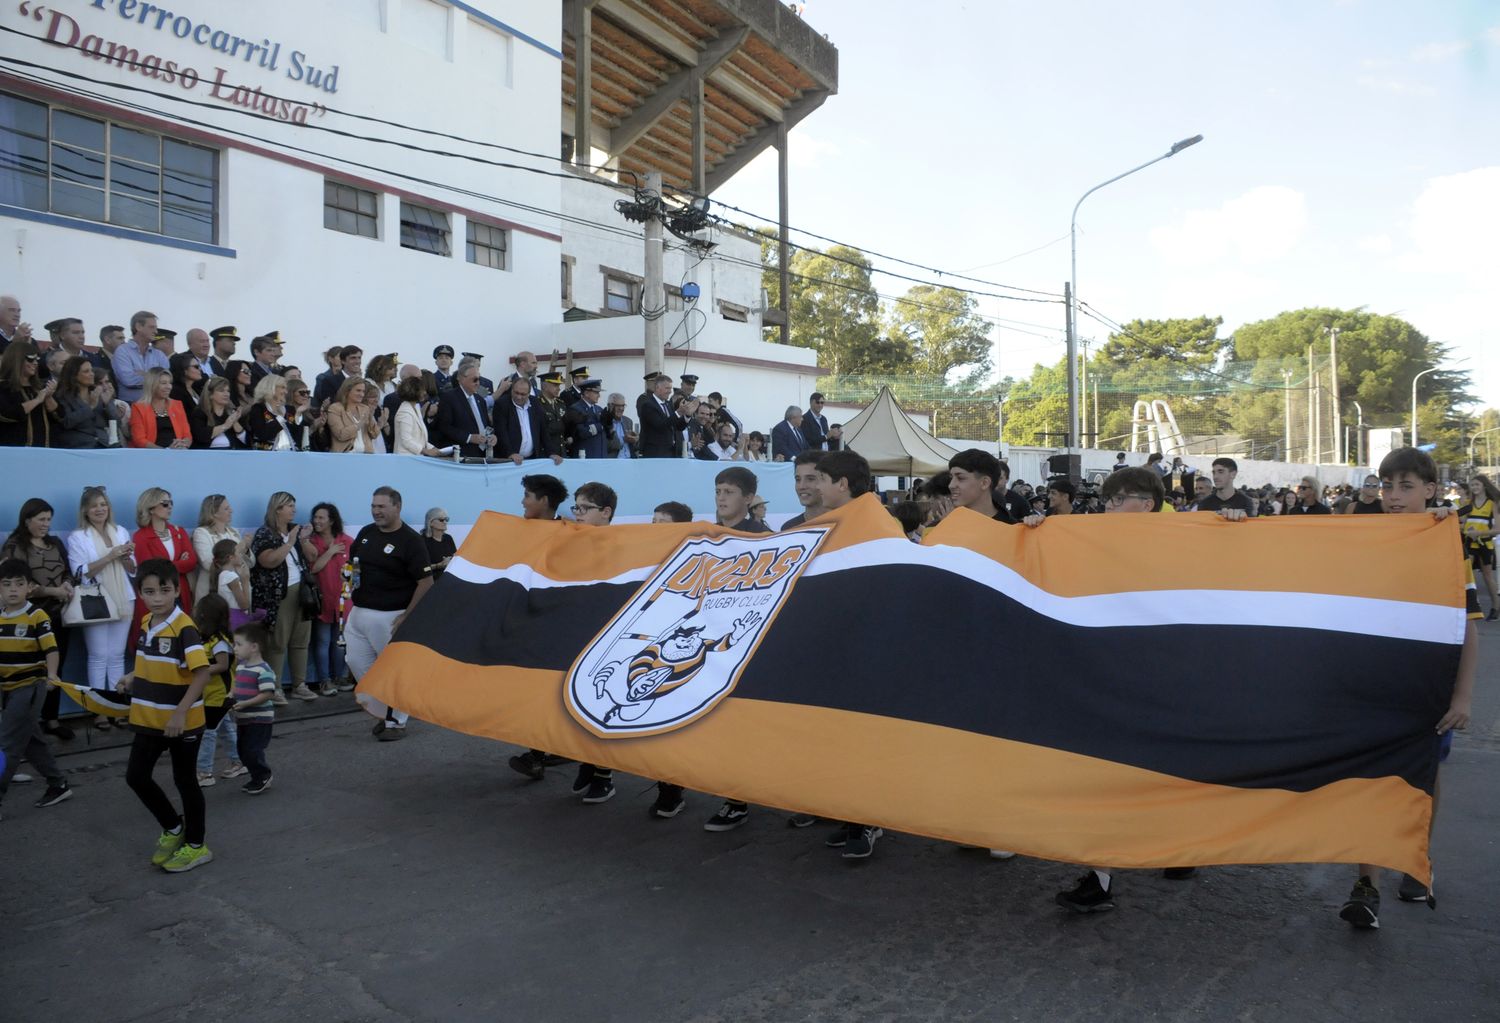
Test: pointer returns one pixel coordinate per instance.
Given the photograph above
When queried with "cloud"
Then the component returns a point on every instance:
(1454, 224)
(1260, 226)
(1434, 52)
(1394, 86)
(1380, 244)
(1493, 34)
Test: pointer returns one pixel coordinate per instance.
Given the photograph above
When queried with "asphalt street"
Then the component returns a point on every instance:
(425, 881)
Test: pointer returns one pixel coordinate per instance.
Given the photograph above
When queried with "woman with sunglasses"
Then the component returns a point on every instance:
(1307, 502)
(158, 538)
(440, 546)
(26, 404)
(99, 550)
(240, 385)
(187, 380)
(302, 421)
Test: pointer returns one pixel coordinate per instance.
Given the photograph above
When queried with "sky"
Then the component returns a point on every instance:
(1351, 158)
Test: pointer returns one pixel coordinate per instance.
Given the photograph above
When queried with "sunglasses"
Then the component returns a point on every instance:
(164, 504)
(442, 518)
(33, 358)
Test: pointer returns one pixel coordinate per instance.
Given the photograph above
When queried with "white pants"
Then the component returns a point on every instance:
(365, 634)
(106, 646)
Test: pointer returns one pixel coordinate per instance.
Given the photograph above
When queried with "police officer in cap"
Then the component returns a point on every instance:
(442, 355)
(554, 412)
(586, 430)
(573, 394)
(684, 389)
(224, 340)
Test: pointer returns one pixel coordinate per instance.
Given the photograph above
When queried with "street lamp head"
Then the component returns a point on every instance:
(1178, 147)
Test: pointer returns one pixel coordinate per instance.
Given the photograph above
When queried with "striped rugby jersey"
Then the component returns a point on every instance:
(26, 638)
(166, 656)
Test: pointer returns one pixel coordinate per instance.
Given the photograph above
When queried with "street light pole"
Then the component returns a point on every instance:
(1414, 380)
(1074, 434)
(1481, 433)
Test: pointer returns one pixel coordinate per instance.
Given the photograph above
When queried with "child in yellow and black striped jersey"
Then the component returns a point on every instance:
(166, 714)
(28, 662)
(211, 613)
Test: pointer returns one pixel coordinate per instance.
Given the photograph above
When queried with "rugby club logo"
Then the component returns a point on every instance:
(678, 648)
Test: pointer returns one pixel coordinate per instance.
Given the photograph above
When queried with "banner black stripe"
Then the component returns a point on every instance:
(1217, 704)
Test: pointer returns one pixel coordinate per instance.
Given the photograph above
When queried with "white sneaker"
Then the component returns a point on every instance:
(278, 698)
(205, 779)
(301, 692)
(1001, 854)
(21, 776)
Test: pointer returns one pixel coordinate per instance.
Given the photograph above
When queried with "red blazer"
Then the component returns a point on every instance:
(148, 546)
(143, 424)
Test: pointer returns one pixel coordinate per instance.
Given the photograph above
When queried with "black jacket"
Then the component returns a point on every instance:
(454, 422)
(661, 432)
(508, 430)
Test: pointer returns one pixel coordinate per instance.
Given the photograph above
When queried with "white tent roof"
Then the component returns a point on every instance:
(892, 443)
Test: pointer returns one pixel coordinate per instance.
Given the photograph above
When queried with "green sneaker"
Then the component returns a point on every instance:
(186, 858)
(166, 845)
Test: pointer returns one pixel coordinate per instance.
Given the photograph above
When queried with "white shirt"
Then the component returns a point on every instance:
(722, 454)
(474, 411)
(523, 413)
(293, 568)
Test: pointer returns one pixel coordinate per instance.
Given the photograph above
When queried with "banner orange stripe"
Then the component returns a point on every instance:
(935, 781)
(1392, 557)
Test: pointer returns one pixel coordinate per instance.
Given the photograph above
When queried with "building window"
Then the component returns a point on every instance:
(567, 282)
(56, 161)
(488, 245)
(424, 230)
(732, 311)
(350, 210)
(619, 294)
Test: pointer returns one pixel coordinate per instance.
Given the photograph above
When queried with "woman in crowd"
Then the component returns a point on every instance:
(302, 421)
(266, 424)
(26, 404)
(215, 516)
(158, 420)
(440, 546)
(100, 551)
(411, 421)
(350, 426)
(85, 407)
(382, 374)
(1477, 520)
(215, 423)
(754, 449)
(187, 380)
(158, 538)
(239, 377)
(332, 545)
(1306, 502)
(51, 588)
(380, 418)
(279, 556)
(429, 395)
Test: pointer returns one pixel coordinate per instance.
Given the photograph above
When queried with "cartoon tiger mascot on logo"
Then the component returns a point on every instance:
(667, 663)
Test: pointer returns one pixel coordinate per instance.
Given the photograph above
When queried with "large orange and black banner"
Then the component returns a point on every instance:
(1121, 690)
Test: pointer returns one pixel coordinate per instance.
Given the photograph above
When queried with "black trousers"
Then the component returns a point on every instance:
(145, 751)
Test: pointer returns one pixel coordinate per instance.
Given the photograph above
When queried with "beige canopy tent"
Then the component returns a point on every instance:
(892, 443)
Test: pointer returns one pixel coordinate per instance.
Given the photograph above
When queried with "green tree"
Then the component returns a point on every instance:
(1036, 409)
(943, 331)
(834, 309)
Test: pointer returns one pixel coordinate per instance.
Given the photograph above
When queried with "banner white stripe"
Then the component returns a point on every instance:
(1368, 616)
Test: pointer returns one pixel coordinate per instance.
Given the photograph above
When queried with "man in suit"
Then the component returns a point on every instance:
(351, 361)
(620, 435)
(815, 424)
(265, 353)
(521, 427)
(786, 436)
(67, 334)
(661, 427)
(463, 418)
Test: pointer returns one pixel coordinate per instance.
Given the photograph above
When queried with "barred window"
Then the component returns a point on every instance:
(488, 245)
(424, 229)
(57, 161)
(350, 210)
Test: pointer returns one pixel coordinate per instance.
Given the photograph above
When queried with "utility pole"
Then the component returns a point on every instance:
(1307, 451)
(1083, 393)
(1341, 446)
(653, 293)
(1072, 366)
(1286, 400)
(1096, 411)
(1318, 416)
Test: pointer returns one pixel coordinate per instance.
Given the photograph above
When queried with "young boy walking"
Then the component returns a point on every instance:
(28, 662)
(254, 713)
(166, 714)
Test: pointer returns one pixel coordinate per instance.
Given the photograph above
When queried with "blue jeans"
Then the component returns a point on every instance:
(327, 654)
(210, 741)
(255, 736)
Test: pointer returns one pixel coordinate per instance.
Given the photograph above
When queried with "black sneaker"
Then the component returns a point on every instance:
(584, 779)
(1178, 873)
(392, 734)
(601, 789)
(729, 817)
(669, 801)
(1494, 614)
(1362, 910)
(532, 764)
(1411, 890)
(55, 794)
(255, 788)
(861, 842)
(379, 727)
(840, 837)
(801, 820)
(1088, 896)
(60, 730)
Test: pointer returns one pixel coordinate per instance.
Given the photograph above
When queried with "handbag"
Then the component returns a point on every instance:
(309, 595)
(90, 605)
